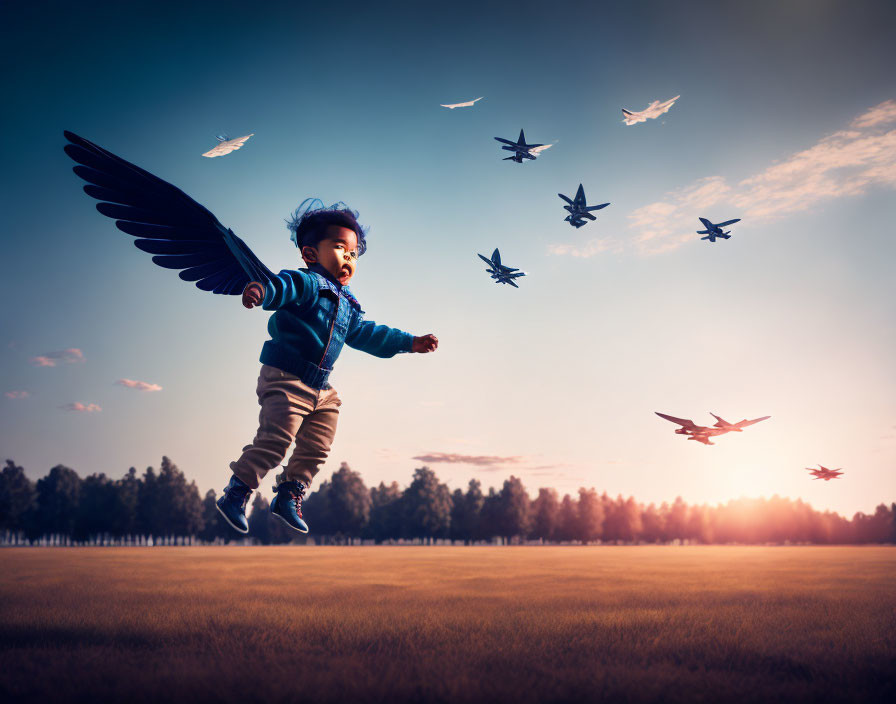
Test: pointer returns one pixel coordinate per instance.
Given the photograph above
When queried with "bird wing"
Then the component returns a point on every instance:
(169, 224)
(227, 146)
(745, 423)
(680, 421)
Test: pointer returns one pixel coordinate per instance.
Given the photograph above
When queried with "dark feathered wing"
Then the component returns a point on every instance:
(167, 222)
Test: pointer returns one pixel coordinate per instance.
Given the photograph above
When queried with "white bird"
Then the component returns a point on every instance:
(225, 145)
(460, 105)
(652, 111)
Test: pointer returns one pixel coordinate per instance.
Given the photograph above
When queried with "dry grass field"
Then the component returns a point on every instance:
(441, 624)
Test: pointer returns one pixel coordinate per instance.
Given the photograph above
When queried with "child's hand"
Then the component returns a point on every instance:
(426, 343)
(253, 294)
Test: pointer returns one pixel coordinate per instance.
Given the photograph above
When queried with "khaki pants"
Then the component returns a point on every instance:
(290, 411)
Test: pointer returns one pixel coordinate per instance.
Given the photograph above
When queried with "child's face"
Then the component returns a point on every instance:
(337, 253)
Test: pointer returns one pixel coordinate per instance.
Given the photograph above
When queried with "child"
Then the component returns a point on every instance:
(315, 314)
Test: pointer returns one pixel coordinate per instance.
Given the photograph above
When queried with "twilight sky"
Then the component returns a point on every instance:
(787, 119)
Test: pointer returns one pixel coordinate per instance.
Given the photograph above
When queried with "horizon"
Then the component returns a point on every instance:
(531, 492)
(786, 119)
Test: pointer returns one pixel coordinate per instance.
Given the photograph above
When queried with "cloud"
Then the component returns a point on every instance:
(878, 115)
(845, 163)
(17, 394)
(78, 406)
(478, 460)
(139, 385)
(586, 249)
(70, 356)
(848, 162)
(651, 112)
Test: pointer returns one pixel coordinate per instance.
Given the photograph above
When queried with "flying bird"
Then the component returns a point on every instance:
(579, 209)
(226, 145)
(521, 150)
(469, 103)
(824, 473)
(651, 112)
(702, 433)
(712, 231)
(500, 273)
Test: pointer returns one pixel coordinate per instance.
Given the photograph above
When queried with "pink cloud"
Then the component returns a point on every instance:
(478, 460)
(139, 385)
(17, 394)
(884, 113)
(848, 162)
(70, 356)
(588, 248)
(78, 406)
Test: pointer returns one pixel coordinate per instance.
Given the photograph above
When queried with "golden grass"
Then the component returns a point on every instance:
(440, 624)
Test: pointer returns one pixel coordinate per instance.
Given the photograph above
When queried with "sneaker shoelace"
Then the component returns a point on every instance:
(297, 495)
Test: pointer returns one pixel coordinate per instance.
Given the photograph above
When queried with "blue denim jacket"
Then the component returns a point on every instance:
(314, 317)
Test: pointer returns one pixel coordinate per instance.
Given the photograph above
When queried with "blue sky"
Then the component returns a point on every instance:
(786, 119)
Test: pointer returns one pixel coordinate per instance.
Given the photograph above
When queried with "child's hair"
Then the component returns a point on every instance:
(311, 219)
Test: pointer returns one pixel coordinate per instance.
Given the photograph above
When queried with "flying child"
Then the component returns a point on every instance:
(315, 314)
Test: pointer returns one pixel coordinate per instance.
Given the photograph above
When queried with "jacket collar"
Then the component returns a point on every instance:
(334, 285)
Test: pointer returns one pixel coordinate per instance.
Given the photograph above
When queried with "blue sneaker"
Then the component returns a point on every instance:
(233, 504)
(287, 505)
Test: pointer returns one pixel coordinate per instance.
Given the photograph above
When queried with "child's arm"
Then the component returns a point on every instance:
(286, 287)
(383, 341)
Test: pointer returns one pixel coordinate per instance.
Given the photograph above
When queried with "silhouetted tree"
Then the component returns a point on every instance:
(465, 512)
(875, 528)
(260, 520)
(316, 510)
(545, 514)
(589, 516)
(567, 527)
(385, 512)
(514, 508)
(349, 502)
(57, 502)
(96, 506)
(490, 516)
(699, 526)
(426, 506)
(213, 525)
(652, 522)
(17, 496)
(167, 504)
(676, 520)
(123, 519)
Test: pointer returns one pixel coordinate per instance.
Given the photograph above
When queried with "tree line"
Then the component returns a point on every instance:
(162, 507)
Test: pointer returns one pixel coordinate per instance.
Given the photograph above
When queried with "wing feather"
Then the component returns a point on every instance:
(178, 230)
(681, 421)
